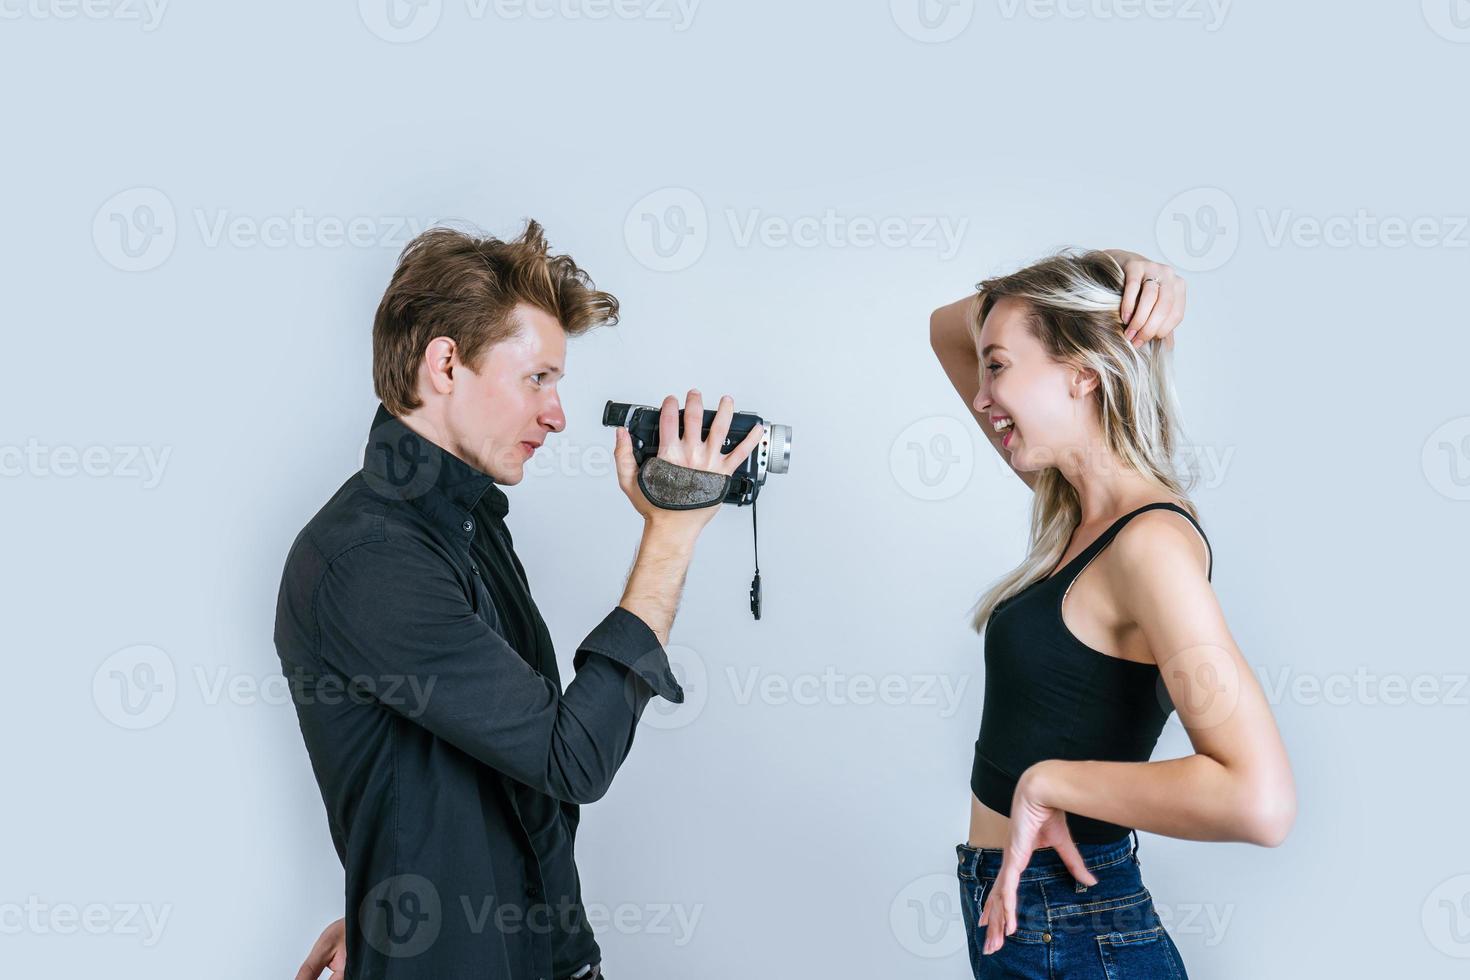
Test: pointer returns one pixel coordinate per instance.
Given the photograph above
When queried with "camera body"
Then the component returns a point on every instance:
(773, 455)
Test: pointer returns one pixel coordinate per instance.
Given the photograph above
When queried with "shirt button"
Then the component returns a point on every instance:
(468, 525)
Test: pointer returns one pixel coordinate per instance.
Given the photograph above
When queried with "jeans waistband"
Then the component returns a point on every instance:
(984, 862)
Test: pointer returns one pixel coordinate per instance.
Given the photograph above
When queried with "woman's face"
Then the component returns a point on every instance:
(1021, 383)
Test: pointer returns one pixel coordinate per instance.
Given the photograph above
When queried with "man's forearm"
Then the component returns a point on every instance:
(657, 578)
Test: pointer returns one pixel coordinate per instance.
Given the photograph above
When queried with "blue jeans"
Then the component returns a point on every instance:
(1066, 930)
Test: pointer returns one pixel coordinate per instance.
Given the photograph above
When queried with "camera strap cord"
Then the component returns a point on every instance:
(755, 583)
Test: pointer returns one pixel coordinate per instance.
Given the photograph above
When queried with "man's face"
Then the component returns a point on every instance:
(496, 415)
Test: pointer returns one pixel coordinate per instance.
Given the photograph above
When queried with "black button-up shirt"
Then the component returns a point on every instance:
(450, 761)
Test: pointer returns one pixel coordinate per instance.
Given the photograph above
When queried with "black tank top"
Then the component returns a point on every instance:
(1048, 695)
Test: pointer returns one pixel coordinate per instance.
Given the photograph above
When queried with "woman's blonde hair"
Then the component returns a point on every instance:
(1074, 299)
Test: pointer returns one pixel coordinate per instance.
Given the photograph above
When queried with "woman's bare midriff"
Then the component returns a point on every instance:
(987, 827)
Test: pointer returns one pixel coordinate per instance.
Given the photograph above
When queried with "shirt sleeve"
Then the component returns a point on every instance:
(396, 622)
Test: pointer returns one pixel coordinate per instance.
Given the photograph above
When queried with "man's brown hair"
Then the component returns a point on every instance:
(452, 284)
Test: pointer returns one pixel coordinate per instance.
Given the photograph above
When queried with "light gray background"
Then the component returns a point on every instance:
(1302, 164)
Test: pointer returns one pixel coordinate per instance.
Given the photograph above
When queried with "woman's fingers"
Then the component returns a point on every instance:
(999, 916)
(1072, 858)
(1157, 317)
(1134, 272)
(1148, 298)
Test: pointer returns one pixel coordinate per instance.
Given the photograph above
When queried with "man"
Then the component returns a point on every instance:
(450, 760)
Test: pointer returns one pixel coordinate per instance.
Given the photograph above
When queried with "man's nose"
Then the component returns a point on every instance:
(552, 416)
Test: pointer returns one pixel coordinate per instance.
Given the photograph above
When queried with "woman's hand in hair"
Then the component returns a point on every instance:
(1034, 824)
(1153, 299)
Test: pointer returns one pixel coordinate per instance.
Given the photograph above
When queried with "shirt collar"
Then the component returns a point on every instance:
(400, 463)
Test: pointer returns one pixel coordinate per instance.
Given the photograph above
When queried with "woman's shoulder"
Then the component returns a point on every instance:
(1158, 543)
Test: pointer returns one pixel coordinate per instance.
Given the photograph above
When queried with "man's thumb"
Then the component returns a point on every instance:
(623, 454)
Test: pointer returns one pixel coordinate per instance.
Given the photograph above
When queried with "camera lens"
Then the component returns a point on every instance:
(780, 452)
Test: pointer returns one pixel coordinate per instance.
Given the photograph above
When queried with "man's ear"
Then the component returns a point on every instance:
(439, 359)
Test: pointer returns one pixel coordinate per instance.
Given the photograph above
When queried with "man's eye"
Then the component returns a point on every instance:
(538, 376)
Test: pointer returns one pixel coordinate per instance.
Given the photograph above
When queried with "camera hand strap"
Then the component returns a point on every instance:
(674, 487)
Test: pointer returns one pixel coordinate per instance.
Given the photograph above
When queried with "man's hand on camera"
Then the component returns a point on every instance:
(687, 450)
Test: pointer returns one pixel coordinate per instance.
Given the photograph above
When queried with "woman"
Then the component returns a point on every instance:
(1108, 625)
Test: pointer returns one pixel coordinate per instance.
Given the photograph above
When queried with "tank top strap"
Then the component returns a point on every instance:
(1087, 554)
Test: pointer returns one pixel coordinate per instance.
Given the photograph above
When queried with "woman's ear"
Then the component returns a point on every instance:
(1084, 382)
